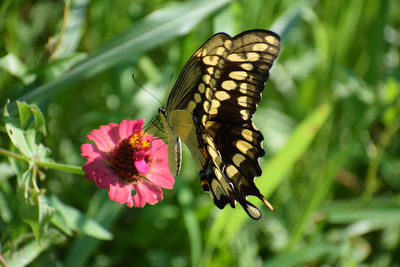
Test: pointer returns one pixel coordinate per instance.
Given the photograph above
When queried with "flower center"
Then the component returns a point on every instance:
(138, 142)
(125, 154)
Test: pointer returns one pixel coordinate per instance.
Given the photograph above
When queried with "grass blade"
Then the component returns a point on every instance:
(154, 30)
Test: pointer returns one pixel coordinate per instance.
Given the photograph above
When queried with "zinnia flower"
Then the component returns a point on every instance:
(123, 159)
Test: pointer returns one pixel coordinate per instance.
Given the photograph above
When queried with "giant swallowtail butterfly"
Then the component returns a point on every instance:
(210, 109)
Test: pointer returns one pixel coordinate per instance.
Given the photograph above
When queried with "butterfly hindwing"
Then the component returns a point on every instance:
(217, 94)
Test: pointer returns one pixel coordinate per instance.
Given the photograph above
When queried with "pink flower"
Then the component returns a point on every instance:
(123, 159)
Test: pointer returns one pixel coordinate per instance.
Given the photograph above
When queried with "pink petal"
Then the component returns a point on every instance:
(106, 138)
(146, 192)
(100, 172)
(141, 166)
(159, 149)
(159, 173)
(139, 125)
(112, 129)
(90, 151)
(161, 177)
(120, 192)
(127, 128)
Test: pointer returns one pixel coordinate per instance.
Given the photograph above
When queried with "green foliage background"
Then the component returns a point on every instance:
(329, 115)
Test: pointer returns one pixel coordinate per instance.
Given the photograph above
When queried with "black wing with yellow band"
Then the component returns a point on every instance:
(210, 109)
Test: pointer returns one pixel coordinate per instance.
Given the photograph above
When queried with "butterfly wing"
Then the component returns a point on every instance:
(211, 107)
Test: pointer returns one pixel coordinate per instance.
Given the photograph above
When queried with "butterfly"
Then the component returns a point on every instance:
(210, 109)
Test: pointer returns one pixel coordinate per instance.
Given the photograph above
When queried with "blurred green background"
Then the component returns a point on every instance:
(329, 115)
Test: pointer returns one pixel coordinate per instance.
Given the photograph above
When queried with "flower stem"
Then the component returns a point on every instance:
(11, 154)
(46, 164)
(61, 167)
(2, 261)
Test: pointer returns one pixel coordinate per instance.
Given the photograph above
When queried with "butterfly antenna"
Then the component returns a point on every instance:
(141, 87)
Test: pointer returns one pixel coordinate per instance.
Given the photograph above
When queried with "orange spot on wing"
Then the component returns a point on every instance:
(204, 151)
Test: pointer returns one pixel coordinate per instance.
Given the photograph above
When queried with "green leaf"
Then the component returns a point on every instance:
(76, 221)
(24, 113)
(58, 66)
(25, 110)
(25, 139)
(185, 199)
(59, 221)
(16, 67)
(351, 214)
(279, 165)
(104, 211)
(301, 257)
(74, 21)
(321, 191)
(6, 193)
(24, 255)
(17, 136)
(39, 151)
(34, 210)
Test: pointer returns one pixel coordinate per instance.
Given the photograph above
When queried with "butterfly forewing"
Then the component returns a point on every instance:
(219, 90)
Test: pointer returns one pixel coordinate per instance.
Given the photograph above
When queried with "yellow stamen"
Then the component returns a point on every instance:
(136, 140)
(133, 140)
(146, 144)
